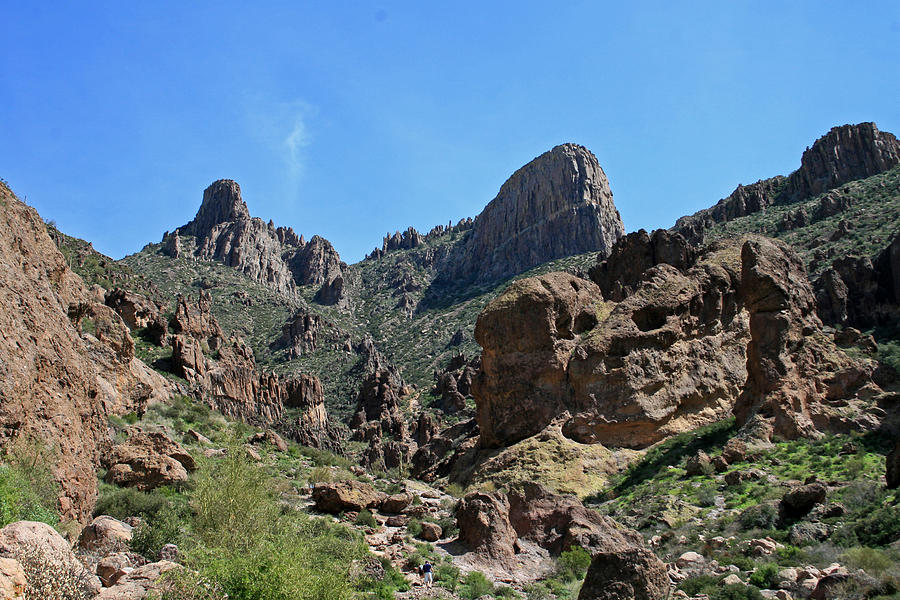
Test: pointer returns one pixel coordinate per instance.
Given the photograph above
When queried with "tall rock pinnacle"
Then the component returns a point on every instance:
(557, 205)
(222, 203)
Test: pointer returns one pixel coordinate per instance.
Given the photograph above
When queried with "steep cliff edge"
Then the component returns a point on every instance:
(66, 360)
(557, 205)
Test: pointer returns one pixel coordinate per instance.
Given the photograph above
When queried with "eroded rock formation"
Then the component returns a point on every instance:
(557, 205)
(61, 354)
(844, 154)
(223, 230)
(733, 329)
(667, 359)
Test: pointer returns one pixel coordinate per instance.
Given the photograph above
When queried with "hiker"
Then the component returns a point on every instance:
(427, 569)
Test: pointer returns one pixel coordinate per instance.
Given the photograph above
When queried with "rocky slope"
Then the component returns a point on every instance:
(844, 154)
(67, 359)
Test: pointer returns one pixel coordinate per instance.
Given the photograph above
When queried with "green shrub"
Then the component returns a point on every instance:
(537, 591)
(712, 587)
(872, 560)
(573, 564)
(879, 528)
(366, 518)
(28, 490)
(165, 527)
(455, 490)
(448, 527)
(121, 503)
(765, 576)
(232, 503)
(414, 527)
(762, 516)
(446, 575)
(505, 591)
(475, 586)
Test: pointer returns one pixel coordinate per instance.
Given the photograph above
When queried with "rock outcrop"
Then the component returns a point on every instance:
(557, 523)
(628, 573)
(223, 230)
(557, 205)
(733, 329)
(233, 384)
(892, 467)
(147, 460)
(344, 496)
(844, 154)
(484, 527)
(799, 382)
(667, 359)
(66, 361)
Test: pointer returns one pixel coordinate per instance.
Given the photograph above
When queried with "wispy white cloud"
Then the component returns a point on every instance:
(284, 129)
(296, 141)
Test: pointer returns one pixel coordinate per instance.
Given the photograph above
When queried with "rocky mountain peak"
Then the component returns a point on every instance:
(222, 203)
(843, 154)
(557, 205)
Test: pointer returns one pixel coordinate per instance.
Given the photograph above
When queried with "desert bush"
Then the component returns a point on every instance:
(164, 527)
(28, 490)
(366, 518)
(476, 585)
(762, 516)
(573, 564)
(537, 591)
(121, 503)
(872, 560)
(455, 490)
(414, 527)
(320, 475)
(446, 575)
(232, 503)
(49, 577)
(765, 576)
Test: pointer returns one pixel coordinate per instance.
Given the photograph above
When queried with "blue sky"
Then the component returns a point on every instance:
(352, 119)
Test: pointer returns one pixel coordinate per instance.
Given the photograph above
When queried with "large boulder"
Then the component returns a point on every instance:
(484, 527)
(105, 534)
(45, 555)
(625, 574)
(557, 523)
(344, 496)
(799, 501)
(140, 583)
(147, 460)
(12, 580)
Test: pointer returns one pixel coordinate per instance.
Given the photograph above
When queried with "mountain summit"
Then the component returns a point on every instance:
(557, 205)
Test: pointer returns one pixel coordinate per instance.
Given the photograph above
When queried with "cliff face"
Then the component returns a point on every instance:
(696, 335)
(223, 230)
(66, 360)
(557, 205)
(844, 154)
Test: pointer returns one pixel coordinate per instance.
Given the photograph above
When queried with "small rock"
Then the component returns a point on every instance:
(732, 579)
(699, 464)
(113, 567)
(169, 552)
(199, 437)
(105, 534)
(252, 453)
